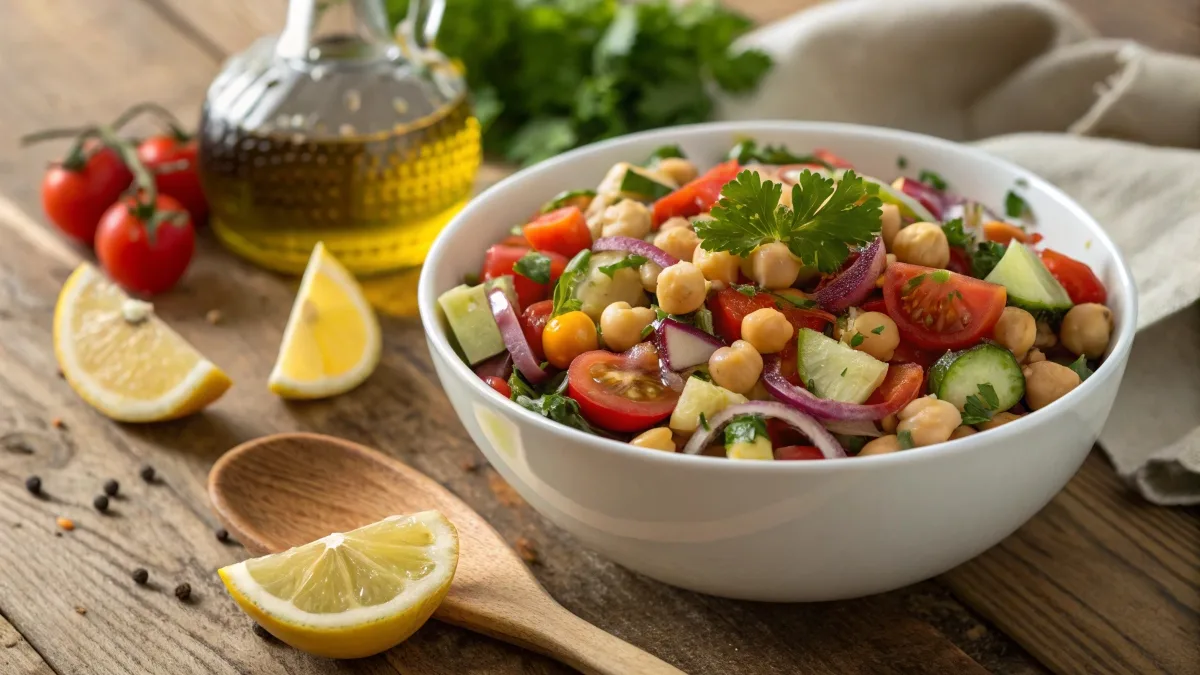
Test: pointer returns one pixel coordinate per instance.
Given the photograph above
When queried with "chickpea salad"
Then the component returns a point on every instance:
(778, 307)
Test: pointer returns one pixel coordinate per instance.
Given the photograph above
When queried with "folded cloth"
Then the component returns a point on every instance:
(1032, 78)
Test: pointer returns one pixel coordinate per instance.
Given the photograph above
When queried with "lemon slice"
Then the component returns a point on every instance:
(122, 359)
(331, 343)
(351, 595)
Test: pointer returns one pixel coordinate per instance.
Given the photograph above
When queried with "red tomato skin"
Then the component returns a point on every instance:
(874, 305)
(801, 452)
(533, 322)
(960, 262)
(697, 196)
(907, 353)
(131, 259)
(984, 303)
(729, 307)
(900, 386)
(563, 231)
(832, 159)
(499, 385)
(612, 411)
(174, 165)
(76, 200)
(518, 240)
(499, 260)
(1081, 282)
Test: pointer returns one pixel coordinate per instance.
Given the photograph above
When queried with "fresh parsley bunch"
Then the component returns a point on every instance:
(548, 75)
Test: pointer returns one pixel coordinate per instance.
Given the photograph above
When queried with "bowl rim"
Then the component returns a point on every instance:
(436, 338)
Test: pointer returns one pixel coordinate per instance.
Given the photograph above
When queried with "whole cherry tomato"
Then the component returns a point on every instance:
(145, 257)
(77, 192)
(172, 161)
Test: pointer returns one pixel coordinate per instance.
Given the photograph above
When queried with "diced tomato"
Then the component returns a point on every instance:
(900, 386)
(515, 240)
(875, 304)
(620, 392)
(938, 309)
(960, 262)
(729, 307)
(1081, 282)
(499, 261)
(499, 385)
(832, 159)
(1004, 233)
(783, 434)
(905, 352)
(799, 452)
(697, 196)
(533, 322)
(563, 231)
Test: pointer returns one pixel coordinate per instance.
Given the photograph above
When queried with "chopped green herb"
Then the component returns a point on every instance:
(941, 276)
(985, 258)
(747, 290)
(471, 279)
(956, 236)
(902, 162)
(516, 230)
(664, 152)
(534, 266)
(550, 402)
(563, 199)
(704, 422)
(645, 331)
(628, 261)
(564, 291)
(1022, 182)
(911, 284)
(811, 386)
(827, 218)
(748, 152)
(857, 340)
(844, 370)
(1015, 206)
(745, 429)
(701, 374)
(703, 319)
(878, 330)
(978, 408)
(906, 440)
(1080, 367)
(792, 301)
(659, 314)
(932, 179)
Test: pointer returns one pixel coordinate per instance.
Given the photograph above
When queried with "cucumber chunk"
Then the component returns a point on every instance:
(597, 290)
(471, 321)
(700, 397)
(958, 375)
(639, 184)
(909, 207)
(836, 371)
(1030, 285)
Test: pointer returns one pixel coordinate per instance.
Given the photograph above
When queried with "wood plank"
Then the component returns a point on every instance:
(1099, 581)
(17, 656)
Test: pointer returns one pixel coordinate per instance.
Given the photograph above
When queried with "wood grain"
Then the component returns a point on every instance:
(17, 657)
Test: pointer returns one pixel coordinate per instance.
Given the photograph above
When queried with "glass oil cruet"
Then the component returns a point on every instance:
(336, 131)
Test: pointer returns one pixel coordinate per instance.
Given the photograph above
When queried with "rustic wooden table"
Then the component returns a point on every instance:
(1097, 582)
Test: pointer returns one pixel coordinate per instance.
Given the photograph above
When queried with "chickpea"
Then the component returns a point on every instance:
(1045, 338)
(922, 244)
(622, 325)
(1086, 329)
(880, 446)
(767, 329)
(1016, 331)
(962, 431)
(658, 438)
(773, 266)
(736, 367)
(889, 423)
(680, 242)
(890, 219)
(677, 170)
(998, 419)
(649, 272)
(626, 218)
(717, 265)
(567, 336)
(1046, 382)
(681, 288)
(879, 332)
(673, 223)
(1034, 356)
(929, 420)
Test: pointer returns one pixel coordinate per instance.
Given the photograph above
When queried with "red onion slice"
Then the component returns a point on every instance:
(822, 408)
(500, 366)
(806, 425)
(638, 247)
(930, 197)
(514, 337)
(853, 428)
(856, 282)
(681, 346)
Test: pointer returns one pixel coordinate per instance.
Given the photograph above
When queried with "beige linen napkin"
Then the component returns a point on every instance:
(1034, 80)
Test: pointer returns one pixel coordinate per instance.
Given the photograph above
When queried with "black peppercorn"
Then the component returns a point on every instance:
(101, 503)
(141, 576)
(147, 473)
(183, 591)
(34, 485)
(222, 535)
(111, 487)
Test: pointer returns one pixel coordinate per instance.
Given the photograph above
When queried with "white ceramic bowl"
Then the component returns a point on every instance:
(783, 531)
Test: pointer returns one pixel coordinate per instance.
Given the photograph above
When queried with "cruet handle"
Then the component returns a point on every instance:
(419, 29)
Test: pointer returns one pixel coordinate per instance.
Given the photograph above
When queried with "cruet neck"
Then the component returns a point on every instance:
(347, 30)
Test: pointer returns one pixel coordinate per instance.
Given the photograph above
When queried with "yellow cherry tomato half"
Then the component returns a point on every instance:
(567, 336)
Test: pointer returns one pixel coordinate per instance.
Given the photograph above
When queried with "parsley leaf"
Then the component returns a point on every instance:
(745, 429)
(701, 374)
(878, 330)
(551, 402)
(901, 162)
(534, 266)
(703, 319)
(978, 408)
(985, 258)
(1080, 367)
(645, 331)
(564, 291)
(906, 440)
(857, 340)
(471, 279)
(932, 179)
(956, 235)
(785, 300)
(748, 152)
(628, 261)
(704, 422)
(747, 290)
(1015, 206)
(827, 218)
(844, 371)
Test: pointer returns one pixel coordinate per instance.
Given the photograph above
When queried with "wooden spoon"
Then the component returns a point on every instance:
(281, 491)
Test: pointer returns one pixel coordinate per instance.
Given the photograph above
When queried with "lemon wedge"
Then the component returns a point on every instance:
(122, 359)
(351, 595)
(332, 342)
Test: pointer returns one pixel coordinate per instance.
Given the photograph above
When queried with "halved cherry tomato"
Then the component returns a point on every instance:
(782, 434)
(875, 304)
(907, 353)
(563, 231)
(832, 159)
(960, 262)
(76, 193)
(499, 385)
(729, 307)
(1004, 233)
(174, 165)
(533, 322)
(899, 387)
(697, 196)
(619, 392)
(1081, 282)
(938, 309)
(499, 260)
(799, 452)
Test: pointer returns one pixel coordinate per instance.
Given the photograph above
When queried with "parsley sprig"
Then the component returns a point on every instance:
(564, 291)
(979, 408)
(534, 266)
(827, 217)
